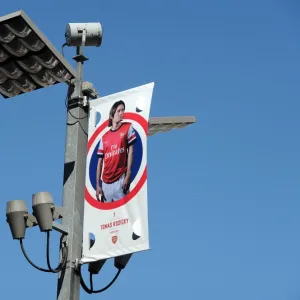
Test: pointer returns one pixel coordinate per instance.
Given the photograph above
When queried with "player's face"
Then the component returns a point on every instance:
(119, 114)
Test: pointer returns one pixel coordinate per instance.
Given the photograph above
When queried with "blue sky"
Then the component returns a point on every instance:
(223, 193)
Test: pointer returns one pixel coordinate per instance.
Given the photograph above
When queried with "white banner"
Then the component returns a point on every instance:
(116, 209)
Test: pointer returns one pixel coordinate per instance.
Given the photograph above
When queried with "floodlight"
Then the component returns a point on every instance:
(16, 212)
(28, 60)
(164, 124)
(42, 205)
(74, 32)
(121, 261)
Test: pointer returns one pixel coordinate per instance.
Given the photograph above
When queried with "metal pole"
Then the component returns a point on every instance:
(74, 184)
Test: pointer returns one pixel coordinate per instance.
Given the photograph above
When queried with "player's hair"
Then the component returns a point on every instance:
(113, 111)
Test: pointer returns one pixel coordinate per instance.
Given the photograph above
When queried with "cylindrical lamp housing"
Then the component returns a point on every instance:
(42, 204)
(74, 32)
(121, 261)
(95, 267)
(16, 211)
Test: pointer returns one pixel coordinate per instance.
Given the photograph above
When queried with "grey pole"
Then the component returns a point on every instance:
(68, 287)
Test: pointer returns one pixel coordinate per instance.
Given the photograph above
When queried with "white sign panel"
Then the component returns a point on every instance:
(115, 209)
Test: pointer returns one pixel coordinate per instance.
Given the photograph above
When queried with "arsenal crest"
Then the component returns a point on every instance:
(114, 239)
(121, 134)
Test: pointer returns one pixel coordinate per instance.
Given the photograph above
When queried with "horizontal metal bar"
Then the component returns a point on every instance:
(172, 120)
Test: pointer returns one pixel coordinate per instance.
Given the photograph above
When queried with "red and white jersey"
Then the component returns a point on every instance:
(113, 149)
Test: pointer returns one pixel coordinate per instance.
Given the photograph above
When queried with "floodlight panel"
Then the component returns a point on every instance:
(165, 124)
(28, 60)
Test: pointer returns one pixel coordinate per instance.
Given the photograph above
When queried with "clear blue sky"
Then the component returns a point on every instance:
(223, 193)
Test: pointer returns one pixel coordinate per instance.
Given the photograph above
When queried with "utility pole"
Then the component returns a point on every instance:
(73, 195)
(68, 287)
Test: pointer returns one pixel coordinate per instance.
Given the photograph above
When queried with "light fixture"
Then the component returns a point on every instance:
(43, 206)
(165, 124)
(28, 61)
(74, 32)
(16, 212)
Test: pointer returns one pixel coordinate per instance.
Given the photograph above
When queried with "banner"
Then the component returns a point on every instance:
(116, 208)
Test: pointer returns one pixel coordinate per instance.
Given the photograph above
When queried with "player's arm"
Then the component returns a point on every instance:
(131, 138)
(99, 170)
(129, 161)
(126, 182)
(100, 155)
(98, 176)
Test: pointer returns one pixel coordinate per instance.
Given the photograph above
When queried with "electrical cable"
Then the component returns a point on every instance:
(60, 267)
(91, 281)
(76, 118)
(70, 124)
(110, 284)
(82, 283)
(35, 266)
(91, 291)
(81, 118)
(62, 49)
(62, 264)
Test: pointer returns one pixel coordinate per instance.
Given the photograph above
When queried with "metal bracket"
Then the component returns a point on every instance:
(89, 90)
(75, 265)
(75, 102)
(31, 220)
(60, 228)
(58, 212)
(80, 58)
(85, 101)
(82, 102)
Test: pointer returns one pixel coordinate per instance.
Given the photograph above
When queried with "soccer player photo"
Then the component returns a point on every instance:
(115, 157)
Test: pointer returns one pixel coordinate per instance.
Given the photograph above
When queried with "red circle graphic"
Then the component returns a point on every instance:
(106, 206)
